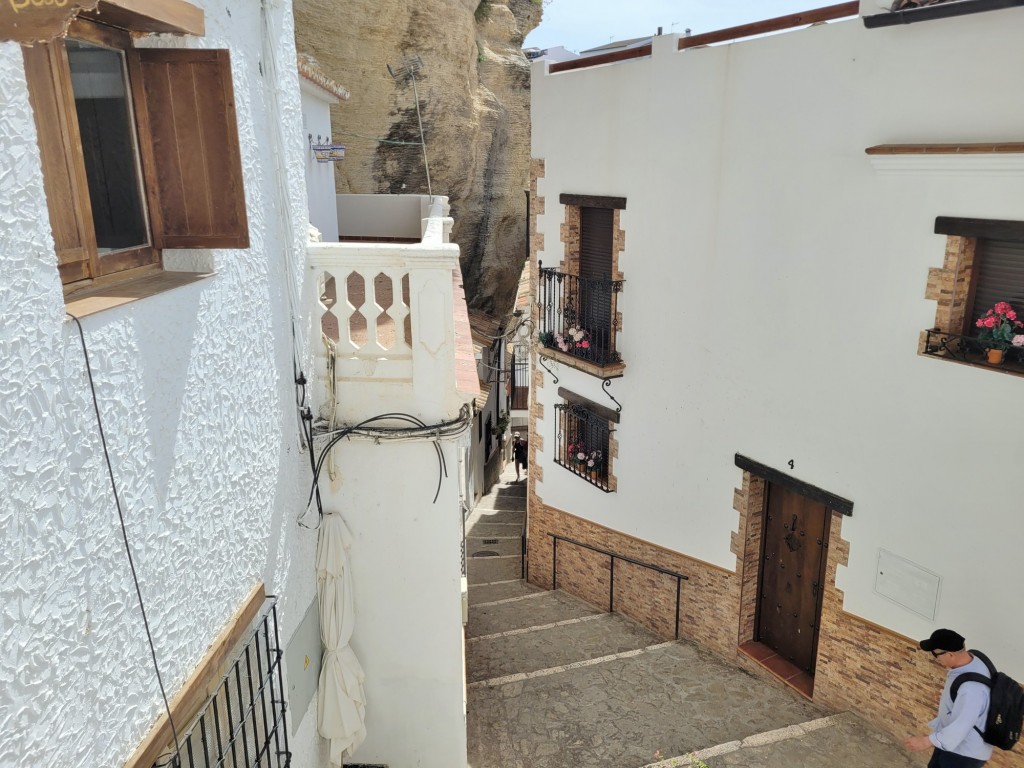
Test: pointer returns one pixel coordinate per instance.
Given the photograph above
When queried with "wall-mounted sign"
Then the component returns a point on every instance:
(328, 153)
(38, 21)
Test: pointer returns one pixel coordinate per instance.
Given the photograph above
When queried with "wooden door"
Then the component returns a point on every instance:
(794, 547)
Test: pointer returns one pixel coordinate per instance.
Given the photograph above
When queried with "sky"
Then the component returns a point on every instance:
(582, 24)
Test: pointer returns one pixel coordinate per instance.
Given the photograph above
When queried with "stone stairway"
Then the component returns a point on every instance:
(556, 683)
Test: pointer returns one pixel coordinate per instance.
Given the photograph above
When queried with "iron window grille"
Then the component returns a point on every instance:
(582, 443)
(578, 316)
(243, 725)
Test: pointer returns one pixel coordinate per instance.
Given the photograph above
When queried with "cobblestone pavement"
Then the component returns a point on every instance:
(556, 683)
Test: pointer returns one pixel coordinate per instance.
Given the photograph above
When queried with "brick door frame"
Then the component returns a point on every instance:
(750, 501)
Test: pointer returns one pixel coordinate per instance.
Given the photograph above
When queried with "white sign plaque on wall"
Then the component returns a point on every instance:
(907, 584)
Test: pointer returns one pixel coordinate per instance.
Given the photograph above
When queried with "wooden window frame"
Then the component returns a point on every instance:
(172, 217)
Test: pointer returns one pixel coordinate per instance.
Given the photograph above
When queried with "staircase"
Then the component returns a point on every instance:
(554, 682)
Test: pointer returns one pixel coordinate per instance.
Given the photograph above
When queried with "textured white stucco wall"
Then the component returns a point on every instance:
(774, 296)
(198, 406)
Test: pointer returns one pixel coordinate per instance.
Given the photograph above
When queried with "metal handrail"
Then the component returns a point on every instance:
(680, 578)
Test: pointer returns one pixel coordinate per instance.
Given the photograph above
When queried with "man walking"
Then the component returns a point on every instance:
(956, 732)
(519, 453)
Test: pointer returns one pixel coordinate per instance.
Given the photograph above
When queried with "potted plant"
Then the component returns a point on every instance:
(574, 341)
(1000, 329)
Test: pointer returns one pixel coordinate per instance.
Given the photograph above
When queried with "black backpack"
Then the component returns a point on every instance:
(1005, 708)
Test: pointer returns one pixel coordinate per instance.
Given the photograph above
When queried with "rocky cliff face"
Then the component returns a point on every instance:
(475, 104)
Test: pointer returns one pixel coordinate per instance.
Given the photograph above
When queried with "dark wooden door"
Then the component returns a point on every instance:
(795, 541)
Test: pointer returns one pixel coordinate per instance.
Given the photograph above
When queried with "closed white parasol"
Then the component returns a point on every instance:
(341, 703)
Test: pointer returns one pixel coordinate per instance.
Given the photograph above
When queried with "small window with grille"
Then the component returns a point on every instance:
(583, 443)
(242, 725)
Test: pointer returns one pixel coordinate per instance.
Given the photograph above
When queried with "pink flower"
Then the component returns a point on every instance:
(990, 322)
(1012, 315)
(1002, 307)
(1018, 340)
(585, 344)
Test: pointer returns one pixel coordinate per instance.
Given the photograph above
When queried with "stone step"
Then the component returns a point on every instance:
(486, 593)
(589, 637)
(502, 544)
(670, 700)
(484, 529)
(488, 515)
(840, 740)
(484, 570)
(546, 608)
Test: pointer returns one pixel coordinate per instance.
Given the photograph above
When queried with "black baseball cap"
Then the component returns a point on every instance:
(943, 640)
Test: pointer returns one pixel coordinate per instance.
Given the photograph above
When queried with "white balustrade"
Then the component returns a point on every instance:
(387, 310)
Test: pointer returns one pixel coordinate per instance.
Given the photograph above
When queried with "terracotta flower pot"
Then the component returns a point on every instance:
(995, 356)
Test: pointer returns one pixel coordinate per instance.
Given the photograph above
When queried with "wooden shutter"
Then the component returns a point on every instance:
(999, 276)
(64, 179)
(596, 242)
(185, 108)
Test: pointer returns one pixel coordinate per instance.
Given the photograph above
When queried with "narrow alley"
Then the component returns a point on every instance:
(557, 683)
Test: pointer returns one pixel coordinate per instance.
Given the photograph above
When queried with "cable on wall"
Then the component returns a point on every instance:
(124, 532)
(419, 431)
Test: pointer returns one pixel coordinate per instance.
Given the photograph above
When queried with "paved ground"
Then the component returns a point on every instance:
(557, 683)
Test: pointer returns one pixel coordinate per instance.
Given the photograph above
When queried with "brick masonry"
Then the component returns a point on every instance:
(949, 286)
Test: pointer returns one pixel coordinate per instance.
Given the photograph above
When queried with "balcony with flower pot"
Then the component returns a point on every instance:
(579, 321)
(998, 342)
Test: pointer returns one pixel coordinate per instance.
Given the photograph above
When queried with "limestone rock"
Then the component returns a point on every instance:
(475, 104)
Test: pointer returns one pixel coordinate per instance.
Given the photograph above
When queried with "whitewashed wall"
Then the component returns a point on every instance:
(406, 573)
(198, 406)
(774, 296)
(316, 123)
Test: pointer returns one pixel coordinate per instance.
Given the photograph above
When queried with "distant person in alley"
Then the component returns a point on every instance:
(955, 736)
(519, 453)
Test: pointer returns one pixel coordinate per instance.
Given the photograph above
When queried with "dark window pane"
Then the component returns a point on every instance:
(108, 144)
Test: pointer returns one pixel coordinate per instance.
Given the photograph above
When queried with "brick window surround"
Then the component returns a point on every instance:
(953, 285)
(585, 427)
(570, 232)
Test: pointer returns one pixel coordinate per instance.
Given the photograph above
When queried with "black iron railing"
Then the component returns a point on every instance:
(582, 443)
(244, 724)
(578, 316)
(969, 349)
(680, 578)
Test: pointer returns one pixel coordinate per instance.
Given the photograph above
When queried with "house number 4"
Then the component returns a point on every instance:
(791, 465)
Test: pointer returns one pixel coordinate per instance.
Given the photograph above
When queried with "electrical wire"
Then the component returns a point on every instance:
(124, 534)
(421, 430)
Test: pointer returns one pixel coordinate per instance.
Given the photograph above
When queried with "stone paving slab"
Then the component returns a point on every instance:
(483, 570)
(547, 608)
(485, 593)
(618, 714)
(847, 743)
(607, 634)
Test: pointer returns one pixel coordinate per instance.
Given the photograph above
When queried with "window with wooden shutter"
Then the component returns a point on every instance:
(186, 114)
(139, 152)
(983, 269)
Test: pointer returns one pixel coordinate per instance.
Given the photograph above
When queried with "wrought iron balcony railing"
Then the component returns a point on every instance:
(577, 316)
(969, 349)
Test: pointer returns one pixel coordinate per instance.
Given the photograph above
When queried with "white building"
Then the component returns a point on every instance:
(172, 221)
(319, 93)
(750, 242)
